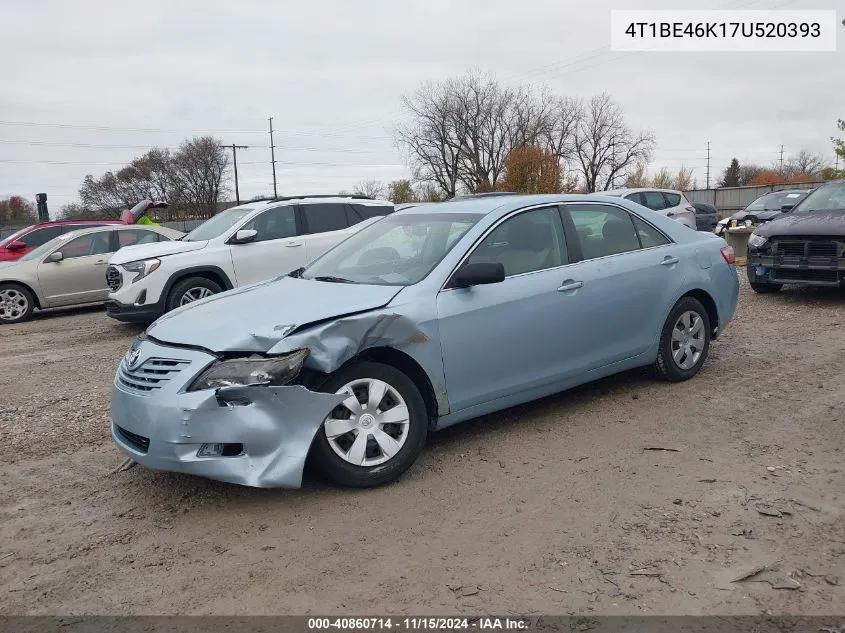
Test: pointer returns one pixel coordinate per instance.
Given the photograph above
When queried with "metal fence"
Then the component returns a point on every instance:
(729, 200)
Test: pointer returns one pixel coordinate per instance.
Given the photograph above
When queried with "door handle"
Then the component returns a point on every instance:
(669, 261)
(569, 285)
(292, 244)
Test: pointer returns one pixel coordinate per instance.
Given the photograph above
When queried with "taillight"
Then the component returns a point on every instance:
(729, 255)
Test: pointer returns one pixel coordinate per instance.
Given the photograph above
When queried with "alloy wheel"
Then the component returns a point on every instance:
(688, 339)
(13, 304)
(195, 294)
(371, 425)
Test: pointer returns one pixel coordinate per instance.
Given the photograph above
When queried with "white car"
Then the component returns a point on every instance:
(666, 202)
(243, 245)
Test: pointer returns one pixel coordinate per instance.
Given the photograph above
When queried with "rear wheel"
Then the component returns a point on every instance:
(374, 435)
(189, 290)
(16, 303)
(684, 342)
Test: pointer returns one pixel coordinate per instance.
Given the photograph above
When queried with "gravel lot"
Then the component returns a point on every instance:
(553, 507)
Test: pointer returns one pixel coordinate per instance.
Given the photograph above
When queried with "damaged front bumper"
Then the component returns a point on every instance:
(254, 436)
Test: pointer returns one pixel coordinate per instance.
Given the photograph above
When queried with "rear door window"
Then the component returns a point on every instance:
(324, 217)
(130, 237)
(40, 236)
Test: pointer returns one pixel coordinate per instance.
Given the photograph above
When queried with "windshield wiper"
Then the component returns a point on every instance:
(337, 280)
(297, 273)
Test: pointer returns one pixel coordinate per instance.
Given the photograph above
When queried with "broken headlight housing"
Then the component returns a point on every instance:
(259, 370)
(757, 241)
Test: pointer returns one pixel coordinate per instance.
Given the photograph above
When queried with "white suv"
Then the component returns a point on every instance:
(666, 202)
(246, 244)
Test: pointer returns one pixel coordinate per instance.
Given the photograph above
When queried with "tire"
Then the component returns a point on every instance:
(200, 286)
(687, 364)
(765, 288)
(378, 467)
(16, 303)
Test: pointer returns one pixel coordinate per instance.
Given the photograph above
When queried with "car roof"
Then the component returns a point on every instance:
(65, 222)
(111, 227)
(624, 190)
(333, 199)
(502, 204)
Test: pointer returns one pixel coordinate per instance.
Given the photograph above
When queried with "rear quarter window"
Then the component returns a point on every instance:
(367, 211)
(672, 199)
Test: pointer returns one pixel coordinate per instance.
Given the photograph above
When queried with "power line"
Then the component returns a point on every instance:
(344, 150)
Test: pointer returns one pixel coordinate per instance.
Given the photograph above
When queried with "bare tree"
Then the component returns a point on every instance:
(662, 180)
(369, 188)
(805, 164)
(199, 169)
(461, 130)
(430, 136)
(683, 179)
(748, 173)
(429, 192)
(561, 123)
(605, 146)
(637, 177)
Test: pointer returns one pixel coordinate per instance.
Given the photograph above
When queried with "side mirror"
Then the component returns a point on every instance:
(244, 236)
(56, 256)
(17, 245)
(477, 274)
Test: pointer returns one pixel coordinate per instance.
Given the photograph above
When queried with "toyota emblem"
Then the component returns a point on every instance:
(132, 358)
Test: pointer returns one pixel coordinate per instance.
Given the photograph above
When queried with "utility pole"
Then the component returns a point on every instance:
(836, 169)
(708, 165)
(273, 158)
(613, 163)
(235, 149)
(781, 159)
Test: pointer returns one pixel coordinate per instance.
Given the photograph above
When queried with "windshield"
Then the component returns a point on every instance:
(776, 201)
(13, 236)
(830, 197)
(398, 250)
(46, 247)
(217, 225)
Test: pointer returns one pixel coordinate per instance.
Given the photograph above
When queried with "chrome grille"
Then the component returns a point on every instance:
(113, 278)
(152, 374)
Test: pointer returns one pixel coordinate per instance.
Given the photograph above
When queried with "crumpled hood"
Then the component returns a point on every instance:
(156, 249)
(254, 318)
(809, 223)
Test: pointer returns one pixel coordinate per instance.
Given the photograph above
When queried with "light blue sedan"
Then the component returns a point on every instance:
(433, 315)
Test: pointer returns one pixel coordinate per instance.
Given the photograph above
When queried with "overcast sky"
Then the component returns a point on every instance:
(87, 85)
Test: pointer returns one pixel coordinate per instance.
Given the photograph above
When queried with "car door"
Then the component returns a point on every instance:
(626, 279)
(277, 248)
(503, 338)
(326, 224)
(80, 276)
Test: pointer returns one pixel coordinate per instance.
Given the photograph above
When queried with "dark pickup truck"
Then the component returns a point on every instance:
(806, 246)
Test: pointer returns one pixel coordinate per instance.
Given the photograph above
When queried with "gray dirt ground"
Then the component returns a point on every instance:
(552, 507)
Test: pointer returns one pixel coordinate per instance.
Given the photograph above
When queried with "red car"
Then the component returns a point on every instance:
(19, 244)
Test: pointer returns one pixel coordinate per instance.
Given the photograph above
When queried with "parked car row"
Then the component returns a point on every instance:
(142, 271)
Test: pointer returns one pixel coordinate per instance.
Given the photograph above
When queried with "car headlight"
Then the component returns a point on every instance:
(242, 372)
(757, 241)
(141, 268)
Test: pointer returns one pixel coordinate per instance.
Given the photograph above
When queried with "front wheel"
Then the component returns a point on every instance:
(684, 342)
(374, 435)
(16, 303)
(189, 290)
